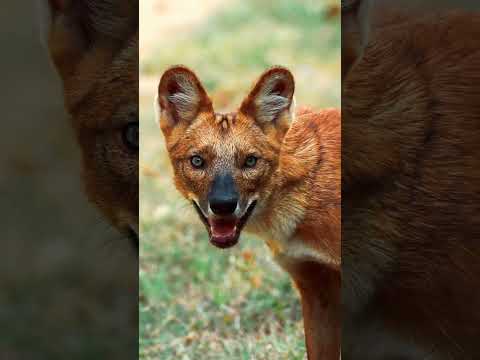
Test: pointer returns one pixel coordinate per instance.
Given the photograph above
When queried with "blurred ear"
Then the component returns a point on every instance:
(71, 28)
(271, 101)
(62, 32)
(181, 97)
(356, 24)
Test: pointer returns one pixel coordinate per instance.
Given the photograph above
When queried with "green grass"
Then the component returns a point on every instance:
(198, 302)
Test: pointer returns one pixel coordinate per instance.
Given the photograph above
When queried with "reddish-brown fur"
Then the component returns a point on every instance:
(411, 192)
(318, 180)
(296, 183)
(315, 182)
(94, 47)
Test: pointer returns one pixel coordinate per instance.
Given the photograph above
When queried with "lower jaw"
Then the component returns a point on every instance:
(224, 244)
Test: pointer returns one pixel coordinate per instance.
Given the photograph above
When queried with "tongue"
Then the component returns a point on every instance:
(223, 229)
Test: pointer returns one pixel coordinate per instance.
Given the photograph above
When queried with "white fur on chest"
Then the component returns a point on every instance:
(295, 250)
(279, 233)
(287, 248)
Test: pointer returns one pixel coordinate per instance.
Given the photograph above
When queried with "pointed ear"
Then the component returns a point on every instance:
(62, 32)
(181, 97)
(271, 99)
(71, 28)
(356, 24)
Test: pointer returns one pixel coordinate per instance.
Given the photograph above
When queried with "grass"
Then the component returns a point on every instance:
(198, 302)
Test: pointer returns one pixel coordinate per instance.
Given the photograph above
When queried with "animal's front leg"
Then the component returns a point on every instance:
(321, 315)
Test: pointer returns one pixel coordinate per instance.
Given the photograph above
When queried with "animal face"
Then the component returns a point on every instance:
(107, 131)
(98, 63)
(225, 164)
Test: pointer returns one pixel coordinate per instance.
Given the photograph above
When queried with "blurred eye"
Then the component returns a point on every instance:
(197, 161)
(251, 161)
(130, 136)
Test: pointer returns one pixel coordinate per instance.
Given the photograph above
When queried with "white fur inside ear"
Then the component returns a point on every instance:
(158, 111)
(45, 18)
(270, 105)
(186, 100)
(293, 109)
(162, 116)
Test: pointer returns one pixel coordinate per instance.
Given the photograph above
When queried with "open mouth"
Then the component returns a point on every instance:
(224, 232)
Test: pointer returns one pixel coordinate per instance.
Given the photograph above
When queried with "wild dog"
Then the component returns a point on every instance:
(411, 191)
(268, 170)
(94, 48)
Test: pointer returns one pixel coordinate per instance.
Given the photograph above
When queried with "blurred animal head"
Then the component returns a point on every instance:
(94, 47)
(224, 163)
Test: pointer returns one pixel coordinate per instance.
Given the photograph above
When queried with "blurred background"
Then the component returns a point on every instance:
(68, 282)
(197, 302)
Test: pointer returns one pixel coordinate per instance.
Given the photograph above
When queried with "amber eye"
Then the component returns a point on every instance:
(251, 161)
(130, 136)
(197, 161)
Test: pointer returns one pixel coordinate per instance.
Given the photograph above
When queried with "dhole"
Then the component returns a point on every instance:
(270, 171)
(411, 190)
(94, 47)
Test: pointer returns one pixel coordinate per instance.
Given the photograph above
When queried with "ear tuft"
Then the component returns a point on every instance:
(181, 96)
(271, 97)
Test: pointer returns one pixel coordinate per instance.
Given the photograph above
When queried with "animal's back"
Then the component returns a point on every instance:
(411, 230)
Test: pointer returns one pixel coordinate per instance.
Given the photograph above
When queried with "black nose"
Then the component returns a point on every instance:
(225, 206)
(223, 196)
